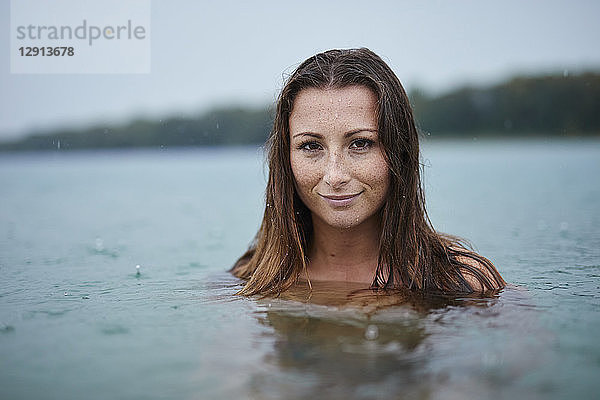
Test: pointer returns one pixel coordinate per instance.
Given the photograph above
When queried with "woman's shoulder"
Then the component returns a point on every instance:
(478, 271)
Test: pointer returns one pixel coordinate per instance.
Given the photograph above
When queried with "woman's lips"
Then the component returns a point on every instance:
(339, 200)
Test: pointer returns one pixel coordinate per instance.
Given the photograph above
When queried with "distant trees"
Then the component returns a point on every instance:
(524, 106)
(546, 105)
(219, 127)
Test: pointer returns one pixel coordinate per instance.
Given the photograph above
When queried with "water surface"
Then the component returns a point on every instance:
(77, 321)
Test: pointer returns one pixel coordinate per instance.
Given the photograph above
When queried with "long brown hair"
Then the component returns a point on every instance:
(411, 253)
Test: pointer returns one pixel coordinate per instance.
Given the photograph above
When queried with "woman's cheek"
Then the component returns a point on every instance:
(306, 173)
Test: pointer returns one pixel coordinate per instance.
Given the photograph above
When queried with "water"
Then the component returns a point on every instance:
(79, 320)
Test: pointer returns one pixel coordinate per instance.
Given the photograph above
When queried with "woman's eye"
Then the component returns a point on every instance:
(310, 146)
(361, 144)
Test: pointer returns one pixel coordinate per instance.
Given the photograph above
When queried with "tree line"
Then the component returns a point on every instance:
(551, 105)
(523, 106)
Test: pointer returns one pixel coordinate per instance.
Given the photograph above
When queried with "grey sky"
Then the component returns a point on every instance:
(206, 54)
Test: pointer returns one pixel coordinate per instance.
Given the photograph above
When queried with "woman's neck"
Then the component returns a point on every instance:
(345, 255)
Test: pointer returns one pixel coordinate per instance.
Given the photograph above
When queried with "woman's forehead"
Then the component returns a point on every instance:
(350, 94)
(348, 107)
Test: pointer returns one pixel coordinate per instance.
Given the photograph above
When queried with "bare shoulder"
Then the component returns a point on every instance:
(479, 272)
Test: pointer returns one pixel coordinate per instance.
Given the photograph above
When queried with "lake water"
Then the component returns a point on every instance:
(77, 321)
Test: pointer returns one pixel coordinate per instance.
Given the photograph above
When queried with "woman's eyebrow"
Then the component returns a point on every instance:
(355, 131)
(311, 134)
(346, 135)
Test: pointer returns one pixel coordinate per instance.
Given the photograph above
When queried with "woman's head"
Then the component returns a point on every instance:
(411, 253)
(279, 252)
(396, 132)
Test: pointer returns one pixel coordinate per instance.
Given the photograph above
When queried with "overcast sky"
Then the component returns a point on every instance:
(206, 54)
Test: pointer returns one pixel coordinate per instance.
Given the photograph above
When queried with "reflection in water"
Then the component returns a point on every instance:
(339, 341)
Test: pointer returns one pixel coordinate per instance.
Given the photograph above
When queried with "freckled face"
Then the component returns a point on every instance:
(336, 158)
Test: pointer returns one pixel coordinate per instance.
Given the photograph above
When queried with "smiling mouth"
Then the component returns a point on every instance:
(339, 200)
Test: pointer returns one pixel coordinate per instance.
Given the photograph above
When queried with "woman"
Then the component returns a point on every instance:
(344, 200)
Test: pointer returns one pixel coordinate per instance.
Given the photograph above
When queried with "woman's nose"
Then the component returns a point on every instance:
(336, 174)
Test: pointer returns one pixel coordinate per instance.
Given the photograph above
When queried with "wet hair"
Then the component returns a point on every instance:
(412, 255)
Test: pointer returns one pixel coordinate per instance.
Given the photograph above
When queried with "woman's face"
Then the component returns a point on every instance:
(335, 154)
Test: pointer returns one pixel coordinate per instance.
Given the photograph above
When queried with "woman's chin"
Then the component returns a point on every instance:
(343, 222)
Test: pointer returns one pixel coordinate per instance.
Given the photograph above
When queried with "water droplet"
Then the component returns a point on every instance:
(372, 332)
(99, 244)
